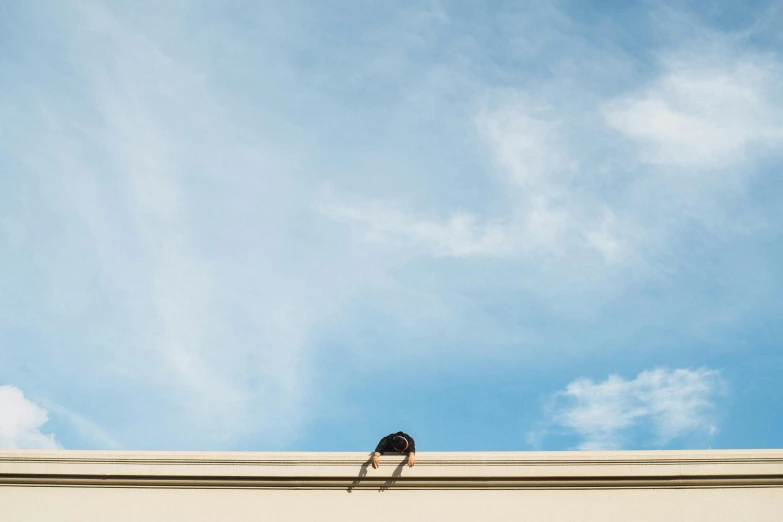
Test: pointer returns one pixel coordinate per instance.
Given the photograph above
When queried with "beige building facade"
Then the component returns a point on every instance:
(91, 486)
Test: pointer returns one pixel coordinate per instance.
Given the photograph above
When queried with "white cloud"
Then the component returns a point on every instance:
(460, 235)
(526, 142)
(21, 420)
(568, 197)
(669, 404)
(605, 240)
(703, 114)
(547, 218)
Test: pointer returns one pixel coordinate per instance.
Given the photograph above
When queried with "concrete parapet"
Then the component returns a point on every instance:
(641, 485)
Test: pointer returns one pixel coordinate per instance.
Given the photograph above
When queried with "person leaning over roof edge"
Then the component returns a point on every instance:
(399, 442)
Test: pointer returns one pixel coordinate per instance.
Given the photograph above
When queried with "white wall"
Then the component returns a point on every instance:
(645, 486)
(120, 505)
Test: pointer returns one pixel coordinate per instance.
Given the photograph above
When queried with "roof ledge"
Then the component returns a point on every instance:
(439, 470)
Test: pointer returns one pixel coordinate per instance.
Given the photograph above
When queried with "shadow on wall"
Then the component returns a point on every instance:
(395, 475)
(386, 485)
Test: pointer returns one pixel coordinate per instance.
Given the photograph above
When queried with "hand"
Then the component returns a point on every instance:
(375, 460)
(411, 459)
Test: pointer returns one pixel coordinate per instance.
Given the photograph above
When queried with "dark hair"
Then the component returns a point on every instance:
(399, 443)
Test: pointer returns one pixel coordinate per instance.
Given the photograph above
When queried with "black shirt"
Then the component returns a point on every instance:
(385, 445)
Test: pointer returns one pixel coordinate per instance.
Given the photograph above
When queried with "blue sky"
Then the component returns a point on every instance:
(304, 225)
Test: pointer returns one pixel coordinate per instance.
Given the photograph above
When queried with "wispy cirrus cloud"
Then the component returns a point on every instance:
(651, 410)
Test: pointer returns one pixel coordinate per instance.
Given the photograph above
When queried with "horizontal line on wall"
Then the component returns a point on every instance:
(672, 482)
